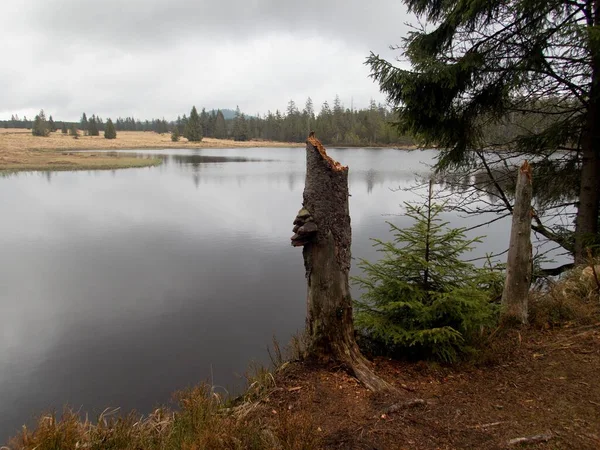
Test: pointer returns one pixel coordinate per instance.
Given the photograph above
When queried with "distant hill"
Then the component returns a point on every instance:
(230, 113)
(227, 113)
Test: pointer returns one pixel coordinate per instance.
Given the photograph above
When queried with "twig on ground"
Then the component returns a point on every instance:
(487, 425)
(396, 407)
(531, 439)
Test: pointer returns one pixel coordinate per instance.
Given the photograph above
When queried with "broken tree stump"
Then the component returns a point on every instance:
(519, 261)
(322, 228)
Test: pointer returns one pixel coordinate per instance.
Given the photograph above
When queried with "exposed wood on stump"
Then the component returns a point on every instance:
(519, 261)
(325, 234)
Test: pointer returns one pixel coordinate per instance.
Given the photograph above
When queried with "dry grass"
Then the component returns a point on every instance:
(200, 422)
(547, 383)
(573, 299)
(19, 150)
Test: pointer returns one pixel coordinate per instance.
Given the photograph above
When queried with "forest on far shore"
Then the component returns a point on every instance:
(335, 125)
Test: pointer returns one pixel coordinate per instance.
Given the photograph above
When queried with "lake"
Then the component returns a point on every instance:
(118, 288)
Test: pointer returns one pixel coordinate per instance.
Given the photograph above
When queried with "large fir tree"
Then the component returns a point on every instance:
(479, 64)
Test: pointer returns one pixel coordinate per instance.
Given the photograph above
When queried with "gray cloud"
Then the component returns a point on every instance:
(146, 23)
(152, 58)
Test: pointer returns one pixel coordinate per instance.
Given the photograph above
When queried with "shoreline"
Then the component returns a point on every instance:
(311, 406)
(21, 151)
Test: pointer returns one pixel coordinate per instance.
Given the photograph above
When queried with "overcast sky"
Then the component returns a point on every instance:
(155, 58)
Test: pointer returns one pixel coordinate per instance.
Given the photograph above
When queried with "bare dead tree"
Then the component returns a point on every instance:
(519, 262)
(485, 192)
(322, 228)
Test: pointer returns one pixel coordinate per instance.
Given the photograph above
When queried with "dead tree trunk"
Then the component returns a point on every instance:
(322, 227)
(519, 262)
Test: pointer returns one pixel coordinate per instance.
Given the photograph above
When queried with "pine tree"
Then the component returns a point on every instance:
(212, 118)
(37, 129)
(109, 130)
(73, 131)
(193, 128)
(421, 299)
(204, 121)
(183, 125)
(93, 126)
(51, 124)
(84, 123)
(308, 115)
(64, 128)
(40, 125)
(240, 126)
(220, 126)
(175, 134)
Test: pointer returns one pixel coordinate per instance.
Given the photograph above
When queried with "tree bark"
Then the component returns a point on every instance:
(586, 226)
(519, 262)
(323, 229)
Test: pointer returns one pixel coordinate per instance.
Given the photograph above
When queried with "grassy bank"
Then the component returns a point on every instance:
(537, 385)
(545, 386)
(19, 150)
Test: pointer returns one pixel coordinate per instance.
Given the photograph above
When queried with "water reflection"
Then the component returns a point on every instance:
(197, 160)
(119, 287)
(553, 182)
(366, 169)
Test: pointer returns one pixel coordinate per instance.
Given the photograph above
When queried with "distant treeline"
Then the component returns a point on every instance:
(335, 125)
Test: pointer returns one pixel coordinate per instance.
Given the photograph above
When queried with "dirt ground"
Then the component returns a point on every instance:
(545, 384)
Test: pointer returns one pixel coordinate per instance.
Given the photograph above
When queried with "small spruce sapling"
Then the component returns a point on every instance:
(421, 300)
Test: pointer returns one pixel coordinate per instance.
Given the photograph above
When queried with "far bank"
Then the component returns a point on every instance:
(20, 150)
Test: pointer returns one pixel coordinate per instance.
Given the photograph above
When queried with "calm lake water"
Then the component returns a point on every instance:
(119, 288)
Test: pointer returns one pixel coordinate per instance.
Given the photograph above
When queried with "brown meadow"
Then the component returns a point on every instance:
(20, 150)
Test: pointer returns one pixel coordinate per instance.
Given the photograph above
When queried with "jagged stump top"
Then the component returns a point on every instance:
(526, 169)
(333, 164)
